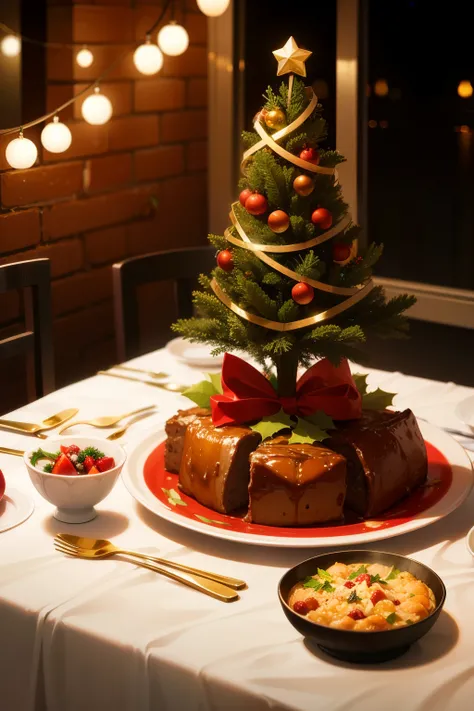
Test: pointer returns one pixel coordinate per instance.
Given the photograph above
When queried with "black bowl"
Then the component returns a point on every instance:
(361, 647)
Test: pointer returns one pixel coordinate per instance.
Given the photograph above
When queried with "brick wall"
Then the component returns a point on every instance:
(134, 185)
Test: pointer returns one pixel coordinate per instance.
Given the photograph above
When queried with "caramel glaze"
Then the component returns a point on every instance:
(175, 429)
(215, 464)
(386, 459)
(295, 484)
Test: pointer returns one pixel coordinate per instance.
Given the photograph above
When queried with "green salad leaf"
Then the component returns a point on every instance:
(360, 571)
(41, 454)
(312, 583)
(394, 574)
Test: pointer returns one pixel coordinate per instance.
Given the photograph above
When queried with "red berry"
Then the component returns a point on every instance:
(349, 584)
(377, 596)
(341, 252)
(2, 484)
(244, 195)
(361, 578)
(89, 462)
(256, 204)
(322, 218)
(356, 614)
(301, 607)
(225, 260)
(105, 463)
(302, 293)
(63, 465)
(311, 155)
(396, 602)
(312, 603)
(73, 449)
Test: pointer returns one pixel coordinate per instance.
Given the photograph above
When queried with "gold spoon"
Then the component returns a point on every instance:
(102, 548)
(172, 387)
(48, 424)
(109, 421)
(150, 373)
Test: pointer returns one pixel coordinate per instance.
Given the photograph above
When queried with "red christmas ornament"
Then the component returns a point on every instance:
(244, 195)
(341, 251)
(278, 221)
(256, 204)
(310, 155)
(302, 293)
(225, 260)
(322, 218)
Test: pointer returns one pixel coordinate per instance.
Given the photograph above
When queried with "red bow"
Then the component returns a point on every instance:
(248, 395)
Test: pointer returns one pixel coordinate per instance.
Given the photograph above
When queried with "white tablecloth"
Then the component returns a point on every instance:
(78, 635)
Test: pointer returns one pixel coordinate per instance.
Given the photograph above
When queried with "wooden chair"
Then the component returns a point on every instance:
(33, 278)
(182, 266)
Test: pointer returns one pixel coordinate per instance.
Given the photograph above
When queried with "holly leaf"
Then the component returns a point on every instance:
(360, 380)
(377, 400)
(174, 497)
(201, 393)
(311, 429)
(269, 426)
(215, 379)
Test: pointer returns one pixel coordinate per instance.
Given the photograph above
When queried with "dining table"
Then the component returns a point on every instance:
(81, 635)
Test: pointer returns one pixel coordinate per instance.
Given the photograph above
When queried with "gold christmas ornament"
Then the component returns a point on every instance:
(291, 58)
(275, 119)
(303, 185)
(278, 221)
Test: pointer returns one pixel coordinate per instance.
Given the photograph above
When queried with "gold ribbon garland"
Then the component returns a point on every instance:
(291, 325)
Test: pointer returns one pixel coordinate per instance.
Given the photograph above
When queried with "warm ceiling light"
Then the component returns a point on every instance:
(465, 89)
(173, 39)
(56, 137)
(381, 87)
(213, 8)
(10, 46)
(148, 58)
(21, 152)
(84, 58)
(97, 108)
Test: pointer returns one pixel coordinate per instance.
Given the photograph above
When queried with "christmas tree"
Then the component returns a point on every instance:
(289, 286)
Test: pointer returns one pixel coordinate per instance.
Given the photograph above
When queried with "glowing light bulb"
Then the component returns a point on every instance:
(381, 87)
(21, 152)
(173, 39)
(213, 8)
(56, 137)
(148, 58)
(465, 89)
(97, 108)
(84, 58)
(10, 46)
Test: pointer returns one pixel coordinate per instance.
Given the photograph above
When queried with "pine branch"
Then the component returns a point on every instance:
(249, 139)
(217, 241)
(330, 159)
(298, 101)
(209, 305)
(253, 295)
(279, 344)
(309, 265)
(289, 311)
(274, 279)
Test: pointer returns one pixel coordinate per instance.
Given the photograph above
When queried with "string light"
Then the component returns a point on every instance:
(381, 87)
(173, 39)
(213, 8)
(21, 152)
(148, 58)
(97, 108)
(84, 57)
(10, 46)
(465, 89)
(56, 137)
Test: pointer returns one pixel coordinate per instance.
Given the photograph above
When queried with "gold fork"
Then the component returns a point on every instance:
(197, 582)
(172, 387)
(106, 421)
(150, 373)
(102, 548)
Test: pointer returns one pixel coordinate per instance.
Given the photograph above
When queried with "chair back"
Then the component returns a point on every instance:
(33, 279)
(182, 266)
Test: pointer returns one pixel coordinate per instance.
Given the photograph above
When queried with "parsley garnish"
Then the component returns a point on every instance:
(361, 571)
(392, 618)
(48, 468)
(377, 579)
(41, 454)
(410, 622)
(394, 574)
(327, 587)
(353, 597)
(411, 595)
(312, 583)
(324, 574)
(89, 452)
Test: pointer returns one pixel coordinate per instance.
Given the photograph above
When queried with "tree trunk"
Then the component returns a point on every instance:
(287, 366)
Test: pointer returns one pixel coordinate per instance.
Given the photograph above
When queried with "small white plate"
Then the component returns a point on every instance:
(196, 354)
(15, 508)
(465, 411)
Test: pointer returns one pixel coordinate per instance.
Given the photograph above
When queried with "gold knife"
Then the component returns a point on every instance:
(172, 387)
(7, 450)
(32, 428)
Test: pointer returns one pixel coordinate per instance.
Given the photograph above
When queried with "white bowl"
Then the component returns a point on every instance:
(75, 496)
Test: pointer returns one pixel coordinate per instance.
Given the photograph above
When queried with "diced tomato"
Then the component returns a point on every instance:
(71, 449)
(361, 578)
(301, 607)
(93, 470)
(377, 596)
(396, 602)
(349, 584)
(64, 449)
(312, 603)
(105, 463)
(89, 462)
(2, 484)
(63, 465)
(356, 614)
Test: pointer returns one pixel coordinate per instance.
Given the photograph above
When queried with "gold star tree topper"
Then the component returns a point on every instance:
(291, 58)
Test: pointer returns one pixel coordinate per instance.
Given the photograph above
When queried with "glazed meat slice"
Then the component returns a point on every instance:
(295, 484)
(175, 429)
(386, 459)
(215, 464)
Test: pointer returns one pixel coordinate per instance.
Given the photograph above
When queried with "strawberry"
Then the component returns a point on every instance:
(63, 465)
(105, 463)
(93, 470)
(2, 484)
(89, 462)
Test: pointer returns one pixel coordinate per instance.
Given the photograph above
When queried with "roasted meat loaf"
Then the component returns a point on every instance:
(295, 484)
(175, 429)
(215, 464)
(386, 459)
